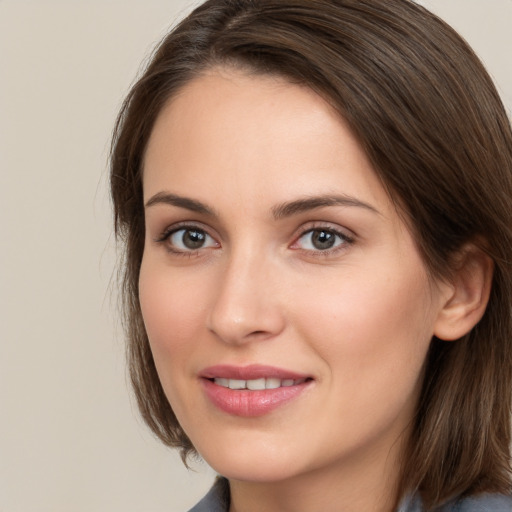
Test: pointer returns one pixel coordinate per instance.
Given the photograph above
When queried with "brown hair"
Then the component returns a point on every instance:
(430, 119)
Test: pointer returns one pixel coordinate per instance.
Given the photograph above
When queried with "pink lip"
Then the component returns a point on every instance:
(246, 403)
(253, 371)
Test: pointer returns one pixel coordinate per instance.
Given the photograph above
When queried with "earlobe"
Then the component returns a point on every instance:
(469, 290)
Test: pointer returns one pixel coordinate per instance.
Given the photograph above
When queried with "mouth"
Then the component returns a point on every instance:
(258, 384)
(252, 391)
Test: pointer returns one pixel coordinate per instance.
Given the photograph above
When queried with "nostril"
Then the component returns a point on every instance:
(237, 319)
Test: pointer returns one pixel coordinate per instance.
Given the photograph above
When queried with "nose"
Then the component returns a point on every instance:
(246, 306)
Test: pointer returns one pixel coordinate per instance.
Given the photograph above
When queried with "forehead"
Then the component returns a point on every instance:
(254, 137)
(232, 106)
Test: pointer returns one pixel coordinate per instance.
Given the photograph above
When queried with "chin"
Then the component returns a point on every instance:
(252, 471)
(256, 463)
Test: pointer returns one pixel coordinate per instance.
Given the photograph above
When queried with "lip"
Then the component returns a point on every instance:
(246, 403)
(253, 371)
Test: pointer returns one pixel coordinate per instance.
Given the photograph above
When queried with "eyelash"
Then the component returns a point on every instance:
(344, 240)
(169, 232)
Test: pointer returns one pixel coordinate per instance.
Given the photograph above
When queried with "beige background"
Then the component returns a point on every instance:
(70, 440)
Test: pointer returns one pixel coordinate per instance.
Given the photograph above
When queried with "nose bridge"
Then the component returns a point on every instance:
(244, 307)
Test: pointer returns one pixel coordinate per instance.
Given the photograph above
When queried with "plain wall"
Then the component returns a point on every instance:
(70, 438)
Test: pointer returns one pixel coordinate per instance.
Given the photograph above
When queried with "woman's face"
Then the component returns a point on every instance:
(275, 261)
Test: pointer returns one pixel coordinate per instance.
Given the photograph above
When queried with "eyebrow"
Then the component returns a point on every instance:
(280, 211)
(181, 202)
(311, 203)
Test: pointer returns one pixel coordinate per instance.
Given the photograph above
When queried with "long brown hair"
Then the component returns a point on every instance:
(429, 118)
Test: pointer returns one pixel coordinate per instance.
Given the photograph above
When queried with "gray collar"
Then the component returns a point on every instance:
(217, 500)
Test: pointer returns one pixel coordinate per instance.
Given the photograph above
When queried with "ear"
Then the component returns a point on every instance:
(467, 294)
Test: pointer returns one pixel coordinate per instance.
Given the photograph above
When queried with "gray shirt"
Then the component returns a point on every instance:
(217, 500)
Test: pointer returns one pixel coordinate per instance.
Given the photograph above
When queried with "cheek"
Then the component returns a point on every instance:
(373, 342)
(172, 313)
(372, 332)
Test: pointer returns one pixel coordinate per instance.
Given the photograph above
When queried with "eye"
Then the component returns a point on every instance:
(188, 239)
(321, 239)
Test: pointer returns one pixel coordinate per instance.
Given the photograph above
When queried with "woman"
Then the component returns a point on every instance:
(315, 200)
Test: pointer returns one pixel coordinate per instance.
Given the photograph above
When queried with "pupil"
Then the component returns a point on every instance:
(323, 239)
(193, 239)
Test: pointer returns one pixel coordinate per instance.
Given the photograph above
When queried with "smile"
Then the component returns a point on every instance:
(257, 384)
(252, 391)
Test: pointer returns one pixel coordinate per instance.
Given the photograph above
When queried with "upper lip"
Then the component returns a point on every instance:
(250, 372)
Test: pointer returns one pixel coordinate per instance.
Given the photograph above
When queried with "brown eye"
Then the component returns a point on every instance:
(321, 240)
(191, 239)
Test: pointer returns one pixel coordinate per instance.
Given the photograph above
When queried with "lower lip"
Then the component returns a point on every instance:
(251, 404)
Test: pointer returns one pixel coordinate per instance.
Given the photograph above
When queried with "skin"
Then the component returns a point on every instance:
(358, 318)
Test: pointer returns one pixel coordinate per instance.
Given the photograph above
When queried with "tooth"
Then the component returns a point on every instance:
(256, 384)
(272, 383)
(237, 384)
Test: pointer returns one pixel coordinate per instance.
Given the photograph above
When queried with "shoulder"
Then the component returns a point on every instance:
(217, 499)
(482, 503)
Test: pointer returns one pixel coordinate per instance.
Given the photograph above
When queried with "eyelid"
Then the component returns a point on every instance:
(172, 228)
(167, 233)
(348, 237)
